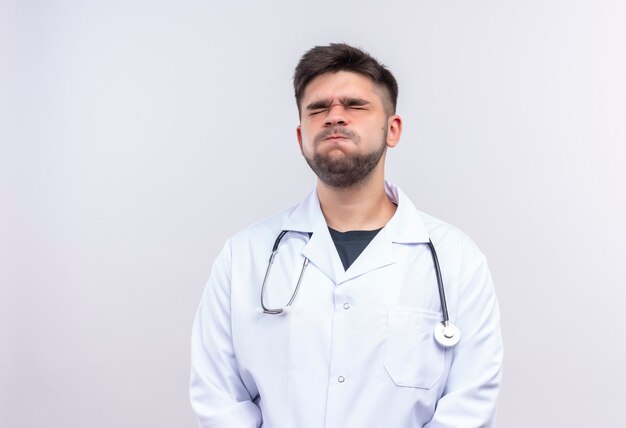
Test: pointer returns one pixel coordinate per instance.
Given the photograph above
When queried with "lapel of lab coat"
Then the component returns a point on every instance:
(405, 227)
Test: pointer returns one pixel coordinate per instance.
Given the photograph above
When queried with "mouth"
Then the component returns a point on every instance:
(336, 137)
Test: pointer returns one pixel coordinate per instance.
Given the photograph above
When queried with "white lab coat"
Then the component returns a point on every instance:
(357, 347)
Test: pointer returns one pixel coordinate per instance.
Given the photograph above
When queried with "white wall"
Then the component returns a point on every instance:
(137, 135)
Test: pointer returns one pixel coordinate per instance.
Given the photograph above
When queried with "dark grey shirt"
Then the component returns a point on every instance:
(351, 244)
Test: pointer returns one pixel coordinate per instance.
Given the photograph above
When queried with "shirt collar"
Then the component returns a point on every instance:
(406, 226)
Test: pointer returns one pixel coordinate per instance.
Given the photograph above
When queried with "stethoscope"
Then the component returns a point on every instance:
(446, 333)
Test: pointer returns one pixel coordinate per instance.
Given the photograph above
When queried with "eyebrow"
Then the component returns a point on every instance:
(353, 102)
(316, 105)
(346, 102)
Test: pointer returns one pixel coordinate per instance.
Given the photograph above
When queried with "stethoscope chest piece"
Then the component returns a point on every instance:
(447, 334)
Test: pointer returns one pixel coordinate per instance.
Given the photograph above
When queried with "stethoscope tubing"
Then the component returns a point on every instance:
(277, 311)
(442, 293)
(446, 333)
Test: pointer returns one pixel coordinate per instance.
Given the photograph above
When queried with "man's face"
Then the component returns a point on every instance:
(344, 129)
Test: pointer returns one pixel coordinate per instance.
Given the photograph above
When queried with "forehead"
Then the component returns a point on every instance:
(341, 84)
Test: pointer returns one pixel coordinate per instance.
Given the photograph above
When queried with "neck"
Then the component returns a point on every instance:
(364, 206)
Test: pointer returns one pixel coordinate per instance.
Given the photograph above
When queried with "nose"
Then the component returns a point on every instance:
(336, 116)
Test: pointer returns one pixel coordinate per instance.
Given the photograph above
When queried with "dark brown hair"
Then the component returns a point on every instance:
(342, 57)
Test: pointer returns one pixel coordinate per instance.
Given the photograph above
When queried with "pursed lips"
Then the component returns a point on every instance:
(337, 137)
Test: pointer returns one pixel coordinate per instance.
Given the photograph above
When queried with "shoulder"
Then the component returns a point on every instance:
(262, 230)
(441, 229)
(451, 241)
(445, 237)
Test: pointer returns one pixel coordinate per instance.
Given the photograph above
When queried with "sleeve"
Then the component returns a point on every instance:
(218, 396)
(473, 383)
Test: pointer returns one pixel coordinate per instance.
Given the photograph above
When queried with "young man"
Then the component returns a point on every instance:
(345, 329)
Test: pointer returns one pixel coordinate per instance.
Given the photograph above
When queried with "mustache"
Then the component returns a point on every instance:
(336, 131)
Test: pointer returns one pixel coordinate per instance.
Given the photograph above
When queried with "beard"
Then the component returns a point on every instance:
(349, 170)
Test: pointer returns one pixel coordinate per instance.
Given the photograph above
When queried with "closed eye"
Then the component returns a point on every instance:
(317, 111)
(317, 107)
(322, 106)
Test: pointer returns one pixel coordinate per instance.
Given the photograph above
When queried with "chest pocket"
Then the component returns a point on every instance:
(412, 356)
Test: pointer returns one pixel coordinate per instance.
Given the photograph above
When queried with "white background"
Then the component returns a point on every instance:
(136, 136)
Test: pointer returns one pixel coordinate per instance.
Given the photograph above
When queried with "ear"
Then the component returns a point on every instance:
(299, 136)
(394, 130)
